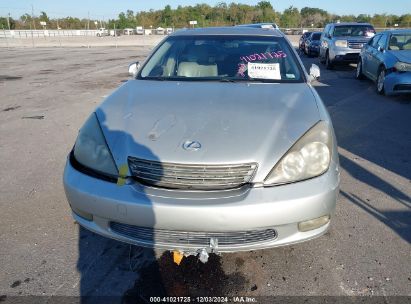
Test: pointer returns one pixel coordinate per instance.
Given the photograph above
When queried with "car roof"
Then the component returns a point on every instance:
(261, 23)
(229, 30)
(397, 31)
(350, 23)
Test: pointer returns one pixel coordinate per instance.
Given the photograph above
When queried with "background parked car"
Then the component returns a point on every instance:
(386, 59)
(261, 25)
(342, 42)
(160, 31)
(139, 30)
(128, 31)
(301, 43)
(312, 44)
(114, 33)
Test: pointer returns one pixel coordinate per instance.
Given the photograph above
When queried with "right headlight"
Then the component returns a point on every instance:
(402, 66)
(91, 149)
(309, 157)
(341, 43)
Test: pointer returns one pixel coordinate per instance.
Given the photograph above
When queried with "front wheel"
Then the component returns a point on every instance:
(358, 72)
(321, 58)
(328, 63)
(380, 81)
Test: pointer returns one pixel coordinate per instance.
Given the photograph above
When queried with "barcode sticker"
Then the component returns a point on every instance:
(264, 70)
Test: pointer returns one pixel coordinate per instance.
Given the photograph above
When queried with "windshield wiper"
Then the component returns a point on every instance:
(154, 78)
(229, 80)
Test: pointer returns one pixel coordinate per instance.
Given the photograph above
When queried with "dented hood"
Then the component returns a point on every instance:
(403, 55)
(234, 122)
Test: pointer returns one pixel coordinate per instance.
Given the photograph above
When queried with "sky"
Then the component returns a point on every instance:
(106, 9)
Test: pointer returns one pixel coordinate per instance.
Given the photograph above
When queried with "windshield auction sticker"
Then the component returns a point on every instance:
(264, 70)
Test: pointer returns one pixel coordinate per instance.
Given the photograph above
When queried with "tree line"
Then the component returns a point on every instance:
(206, 15)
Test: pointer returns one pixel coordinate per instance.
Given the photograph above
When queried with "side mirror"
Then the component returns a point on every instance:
(381, 49)
(133, 69)
(314, 72)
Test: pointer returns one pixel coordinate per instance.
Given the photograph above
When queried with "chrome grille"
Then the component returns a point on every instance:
(201, 239)
(196, 177)
(355, 44)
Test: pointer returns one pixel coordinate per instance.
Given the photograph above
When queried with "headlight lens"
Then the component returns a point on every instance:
(402, 66)
(91, 149)
(341, 43)
(309, 157)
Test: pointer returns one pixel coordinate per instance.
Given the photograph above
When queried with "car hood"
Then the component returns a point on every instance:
(234, 122)
(403, 55)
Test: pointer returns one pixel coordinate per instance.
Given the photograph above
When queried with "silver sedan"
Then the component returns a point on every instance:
(219, 143)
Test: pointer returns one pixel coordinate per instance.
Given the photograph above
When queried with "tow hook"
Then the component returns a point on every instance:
(202, 253)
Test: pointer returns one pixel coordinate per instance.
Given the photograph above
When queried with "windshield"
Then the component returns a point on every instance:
(354, 30)
(399, 42)
(223, 58)
(316, 36)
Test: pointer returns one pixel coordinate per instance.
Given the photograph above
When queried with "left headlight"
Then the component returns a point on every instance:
(309, 157)
(341, 43)
(91, 149)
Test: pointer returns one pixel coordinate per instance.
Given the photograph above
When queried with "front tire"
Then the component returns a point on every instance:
(380, 81)
(328, 63)
(320, 58)
(358, 72)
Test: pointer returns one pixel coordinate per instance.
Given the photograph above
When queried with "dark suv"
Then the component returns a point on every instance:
(303, 38)
(342, 42)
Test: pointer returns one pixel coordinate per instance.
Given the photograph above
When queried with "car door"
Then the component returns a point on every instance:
(377, 56)
(368, 55)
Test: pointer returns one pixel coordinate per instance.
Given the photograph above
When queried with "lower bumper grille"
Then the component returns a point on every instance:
(348, 57)
(200, 239)
(402, 87)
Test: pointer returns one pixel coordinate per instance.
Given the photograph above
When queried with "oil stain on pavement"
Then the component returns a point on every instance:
(191, 278)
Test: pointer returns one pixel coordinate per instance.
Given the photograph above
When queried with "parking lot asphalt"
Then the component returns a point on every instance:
(46, 95)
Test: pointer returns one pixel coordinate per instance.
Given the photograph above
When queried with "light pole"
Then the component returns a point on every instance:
(8, 21)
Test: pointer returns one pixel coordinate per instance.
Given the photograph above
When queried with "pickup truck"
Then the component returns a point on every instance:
(102, 32)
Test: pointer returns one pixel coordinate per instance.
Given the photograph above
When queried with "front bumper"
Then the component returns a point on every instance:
(280, 208)
(398, 83)
(345, 55)
(314, 49)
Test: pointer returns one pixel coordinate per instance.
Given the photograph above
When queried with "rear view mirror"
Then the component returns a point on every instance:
(314, 72)
(133, 69)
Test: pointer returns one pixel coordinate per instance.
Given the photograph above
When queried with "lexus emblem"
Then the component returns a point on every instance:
(191, 145)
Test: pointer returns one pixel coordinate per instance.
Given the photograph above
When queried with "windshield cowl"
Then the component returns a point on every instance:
(206, 79)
